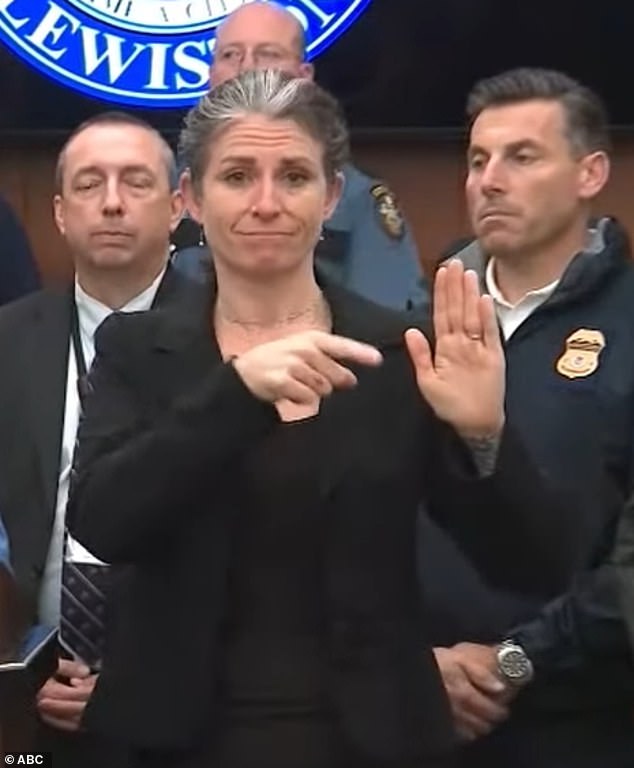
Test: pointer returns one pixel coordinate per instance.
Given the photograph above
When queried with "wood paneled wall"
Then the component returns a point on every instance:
(426, 175)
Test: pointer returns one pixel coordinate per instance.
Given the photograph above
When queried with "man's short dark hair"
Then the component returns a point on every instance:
(116, 117)
(586, 117)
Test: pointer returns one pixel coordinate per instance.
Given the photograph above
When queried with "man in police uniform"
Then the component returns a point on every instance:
(367, 245)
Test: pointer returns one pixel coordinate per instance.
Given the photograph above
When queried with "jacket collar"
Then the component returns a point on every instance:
(609, 251)
(353, 316)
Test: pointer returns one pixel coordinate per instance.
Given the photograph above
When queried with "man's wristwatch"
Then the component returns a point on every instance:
(513, 664)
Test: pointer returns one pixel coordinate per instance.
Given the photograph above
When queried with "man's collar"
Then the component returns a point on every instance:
(595, 243)
(92, 312)
(496, 294)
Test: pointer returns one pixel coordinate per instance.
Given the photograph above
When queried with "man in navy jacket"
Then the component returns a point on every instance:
(564, 296)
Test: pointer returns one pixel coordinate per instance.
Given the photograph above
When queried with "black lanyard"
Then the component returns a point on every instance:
(78, 350)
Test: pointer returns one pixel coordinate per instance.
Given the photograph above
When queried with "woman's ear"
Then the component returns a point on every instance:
(334, 192)
(191, 198)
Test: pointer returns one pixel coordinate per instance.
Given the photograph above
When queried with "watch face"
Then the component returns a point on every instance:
(514, 664)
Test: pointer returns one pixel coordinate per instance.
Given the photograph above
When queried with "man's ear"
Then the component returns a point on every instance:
(307, 70)
(593, 174)
(58, 213)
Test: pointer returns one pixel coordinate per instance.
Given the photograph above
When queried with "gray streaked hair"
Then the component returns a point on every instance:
(272, 94)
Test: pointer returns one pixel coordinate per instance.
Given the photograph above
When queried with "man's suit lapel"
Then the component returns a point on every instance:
(47, 341)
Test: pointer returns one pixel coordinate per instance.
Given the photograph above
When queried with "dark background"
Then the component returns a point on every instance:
(405, 65)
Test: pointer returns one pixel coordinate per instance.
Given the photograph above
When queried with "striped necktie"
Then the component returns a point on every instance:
(83, 610)
(84, 585)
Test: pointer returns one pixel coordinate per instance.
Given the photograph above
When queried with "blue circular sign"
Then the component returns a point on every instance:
(147, 53)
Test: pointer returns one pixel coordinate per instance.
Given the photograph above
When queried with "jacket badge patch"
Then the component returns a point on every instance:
(581, 355)
(389, 214)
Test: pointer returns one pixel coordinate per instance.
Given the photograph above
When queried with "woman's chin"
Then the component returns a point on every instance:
(270, 261)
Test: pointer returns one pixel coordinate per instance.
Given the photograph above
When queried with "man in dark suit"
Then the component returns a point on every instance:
(18, 271)
(116, 208)
(10, 613)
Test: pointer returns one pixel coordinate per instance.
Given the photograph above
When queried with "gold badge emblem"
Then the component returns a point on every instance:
(389, 213)
(581, 355)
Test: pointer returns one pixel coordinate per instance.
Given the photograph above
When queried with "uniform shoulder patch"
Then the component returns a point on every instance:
(390, 216)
